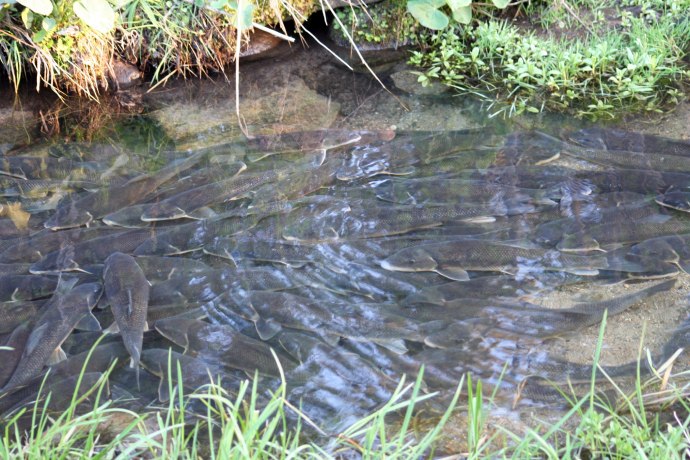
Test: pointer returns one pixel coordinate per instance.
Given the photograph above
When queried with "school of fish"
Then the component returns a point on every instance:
(337, 260)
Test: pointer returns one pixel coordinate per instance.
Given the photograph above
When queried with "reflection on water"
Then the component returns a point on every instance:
(357, 256)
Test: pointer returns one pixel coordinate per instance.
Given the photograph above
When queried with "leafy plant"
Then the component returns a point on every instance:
(429, 12)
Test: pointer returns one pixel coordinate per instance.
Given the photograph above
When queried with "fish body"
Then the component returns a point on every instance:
(222, 344)
(82, 211)
(617, 139)
(60, 316)
(25, 287)
(127, 291)
(453, 259)
(74, 257)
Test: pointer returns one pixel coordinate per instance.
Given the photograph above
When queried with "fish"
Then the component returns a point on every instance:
(222, 344)
(377, 221)
(11, 351)
(35, 167)
(157, 268)
(13, 268)
(195, 372)
(400, 156)
(599, 237)
(276, 251)
(37, 245)
(439, 192)
(185, 203)
(671, 249)
(453, 259)
(618, 139)
(270, 311)
(675, 199)
(481, 287)
(260, 147)
(25, 287)
(74, 257)
(193, 236)
(82, 211)
(61, 314)
(15, 313)
(127, 291)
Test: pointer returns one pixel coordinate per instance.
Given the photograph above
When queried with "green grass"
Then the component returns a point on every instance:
(238, 427)
(637, 68)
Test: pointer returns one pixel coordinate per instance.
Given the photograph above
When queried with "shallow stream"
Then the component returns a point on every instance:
(359, 233)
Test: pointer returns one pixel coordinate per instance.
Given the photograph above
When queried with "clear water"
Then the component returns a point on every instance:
(360, 235)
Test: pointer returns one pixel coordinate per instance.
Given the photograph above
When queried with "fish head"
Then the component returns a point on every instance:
(578, 242)
(655, 249)
(410, 260)
(677, 200)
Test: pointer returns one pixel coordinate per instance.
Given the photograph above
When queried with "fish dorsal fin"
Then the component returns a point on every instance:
(267, 329)
(453, 273)
(36, 338)
(88, 323)
(396, 345)
(57, 356)
(130, 303)
(578, 242)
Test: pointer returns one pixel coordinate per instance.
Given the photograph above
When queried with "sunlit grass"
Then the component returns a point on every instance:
(245, 425)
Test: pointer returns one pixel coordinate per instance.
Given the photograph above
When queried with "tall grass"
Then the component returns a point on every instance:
(238, 426)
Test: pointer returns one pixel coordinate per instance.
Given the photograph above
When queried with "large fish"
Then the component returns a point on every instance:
(25, 287)
(61, 314)
(34, 247)
(127, 291)
(15, 313)
(34, 167)
(11, 352)
(82, 211)
(616, 233)
(260, 147)
(223, 344)
(377, 221)
(195, 372)
(272, 310)
(74, 257)
(618, 139)
(672, 249)
(184, 204)
(453, 259)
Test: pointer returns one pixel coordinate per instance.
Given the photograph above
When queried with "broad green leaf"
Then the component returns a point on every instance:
(455, 4)
(463, 15)
(427, 13)
(39, 36)
(44, 7)
(27, 18)
(245, 14)
(500, 3)
(97, 14)
(48, 24)
(218, 4)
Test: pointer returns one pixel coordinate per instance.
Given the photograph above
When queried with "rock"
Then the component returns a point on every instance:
(16, 127)
(261, 45)
(267, 109)
(123, 75)
(406, 80)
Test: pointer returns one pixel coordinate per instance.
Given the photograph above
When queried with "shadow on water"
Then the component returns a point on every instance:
(357, 239)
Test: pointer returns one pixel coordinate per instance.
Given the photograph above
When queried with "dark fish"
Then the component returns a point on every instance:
(11, 352)
(32, 248)
(193, 236)
(675, 199)
(15, 313)
(260, 147)
(127, 291)
(61, 314)
(158, 268)
(33, 167)
(453, 259)
(25, 287)
(195, 372)
(672, 249)
(75, 256)
(82, 211)
(223, 344)
(13, 269)
(616, 233)
(377, 221)
(618, 139)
